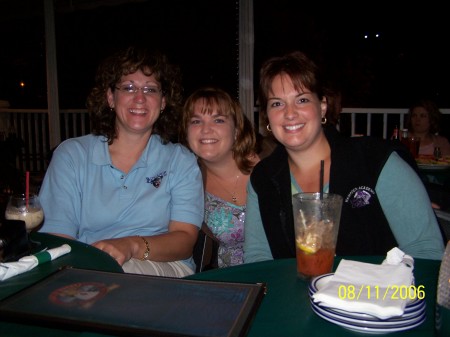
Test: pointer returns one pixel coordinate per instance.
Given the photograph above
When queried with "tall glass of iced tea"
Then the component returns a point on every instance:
(316, 221)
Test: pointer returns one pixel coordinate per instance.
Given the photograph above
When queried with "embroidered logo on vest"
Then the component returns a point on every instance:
(156, 180)
(360, 196)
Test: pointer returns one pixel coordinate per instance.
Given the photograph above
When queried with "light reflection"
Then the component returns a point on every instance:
(366, 36)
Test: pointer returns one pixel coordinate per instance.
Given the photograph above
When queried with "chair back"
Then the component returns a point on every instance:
(443, 296)
(205, 251)
(443, 219)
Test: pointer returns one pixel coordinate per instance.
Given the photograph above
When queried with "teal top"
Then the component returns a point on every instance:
(226, 222)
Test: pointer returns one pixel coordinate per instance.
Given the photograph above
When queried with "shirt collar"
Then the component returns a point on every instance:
(101, 156)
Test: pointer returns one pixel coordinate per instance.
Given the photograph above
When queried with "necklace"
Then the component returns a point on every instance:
(233, 193)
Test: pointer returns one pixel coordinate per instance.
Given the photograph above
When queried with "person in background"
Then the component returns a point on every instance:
(334, 105)
(125, 188)
(423, 121)
(385, 203)
(216, 130)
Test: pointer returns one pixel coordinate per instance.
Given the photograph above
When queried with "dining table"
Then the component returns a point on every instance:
(434, 172)
(284, 311)
(82, 256)
(440, 176)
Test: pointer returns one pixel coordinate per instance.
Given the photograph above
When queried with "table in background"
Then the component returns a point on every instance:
(440, 176)
(81, 256)
(286, 310)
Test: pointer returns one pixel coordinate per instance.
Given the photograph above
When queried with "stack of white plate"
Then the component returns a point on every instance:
(414, 314)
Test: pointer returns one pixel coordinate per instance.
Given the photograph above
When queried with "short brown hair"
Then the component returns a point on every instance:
(245, 143)
(303, 72)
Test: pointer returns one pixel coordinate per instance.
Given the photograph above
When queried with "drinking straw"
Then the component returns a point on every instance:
(322, 163)
(27, 187)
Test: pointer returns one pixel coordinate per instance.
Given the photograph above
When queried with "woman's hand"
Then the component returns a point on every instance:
(177, 244)
(120, 249)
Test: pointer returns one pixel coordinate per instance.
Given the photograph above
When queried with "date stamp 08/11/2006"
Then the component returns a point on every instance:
(371, 292)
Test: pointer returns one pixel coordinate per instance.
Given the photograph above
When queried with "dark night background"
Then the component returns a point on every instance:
(407, 60)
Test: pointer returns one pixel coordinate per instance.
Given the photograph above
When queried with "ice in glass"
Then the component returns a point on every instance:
(316, 222)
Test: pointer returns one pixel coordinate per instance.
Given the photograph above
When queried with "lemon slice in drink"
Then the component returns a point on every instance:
(308, 249)
(309, 244)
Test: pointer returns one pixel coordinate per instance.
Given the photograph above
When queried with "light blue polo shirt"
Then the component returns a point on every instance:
(83, 195)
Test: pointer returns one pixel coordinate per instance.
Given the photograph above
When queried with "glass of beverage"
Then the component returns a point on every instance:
(316, 222)
(414, 144)
(29, 210)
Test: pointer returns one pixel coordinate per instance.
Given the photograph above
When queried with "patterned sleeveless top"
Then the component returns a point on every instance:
(226, 221)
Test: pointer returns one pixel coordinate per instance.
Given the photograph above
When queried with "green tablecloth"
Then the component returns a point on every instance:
(285, 310)
(81, 256)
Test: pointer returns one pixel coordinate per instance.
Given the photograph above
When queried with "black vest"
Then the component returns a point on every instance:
(356, 164)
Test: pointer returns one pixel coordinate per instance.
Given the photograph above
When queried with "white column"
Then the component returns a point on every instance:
(246, 47)
(52, 74)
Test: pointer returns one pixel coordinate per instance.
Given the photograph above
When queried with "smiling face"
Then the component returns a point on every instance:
(210, 133)
(420, 120)
(136, 112)
(294, 115)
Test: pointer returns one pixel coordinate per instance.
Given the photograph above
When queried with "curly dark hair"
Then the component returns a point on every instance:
(244, 146)
(434, 114)
(128, 61)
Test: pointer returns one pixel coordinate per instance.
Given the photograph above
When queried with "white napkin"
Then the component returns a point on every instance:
(10, 269)
(370, 288)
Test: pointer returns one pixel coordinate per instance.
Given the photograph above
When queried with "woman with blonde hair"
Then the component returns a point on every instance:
(216, 130)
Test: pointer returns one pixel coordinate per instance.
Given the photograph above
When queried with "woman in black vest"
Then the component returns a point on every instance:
(385, 203)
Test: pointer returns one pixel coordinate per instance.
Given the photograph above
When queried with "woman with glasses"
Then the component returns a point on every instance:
(126, 188)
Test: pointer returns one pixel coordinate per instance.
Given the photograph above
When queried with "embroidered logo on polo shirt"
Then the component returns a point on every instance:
(156, 180)
(360, 196)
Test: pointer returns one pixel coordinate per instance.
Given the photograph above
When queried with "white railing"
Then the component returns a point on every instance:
(376, 122)
(31, 128)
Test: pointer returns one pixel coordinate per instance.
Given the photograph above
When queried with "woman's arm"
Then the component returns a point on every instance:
(407, 207)
(256, 246)
(59, 194)
(175, 245)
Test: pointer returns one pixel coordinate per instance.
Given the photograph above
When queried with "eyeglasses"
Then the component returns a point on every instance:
(132, 89)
